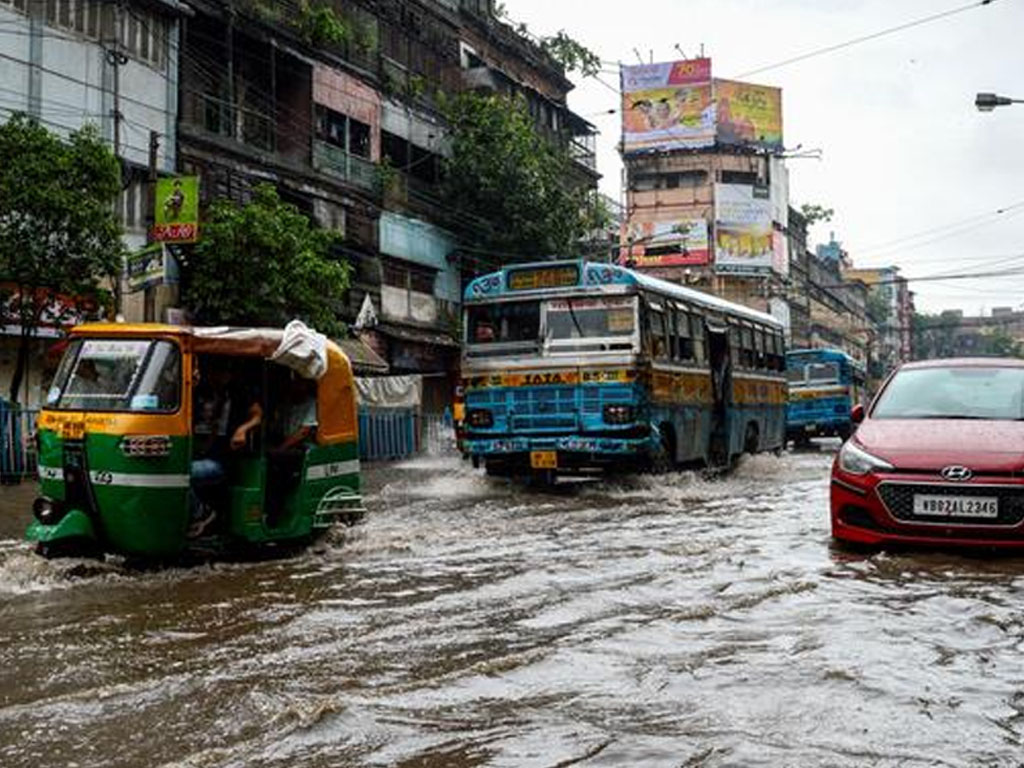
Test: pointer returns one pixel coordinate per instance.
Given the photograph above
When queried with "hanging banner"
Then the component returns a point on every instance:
(670, 243)
(743, 230)
(150, 266)
(176, 218)
(748, 114)
(667, 106)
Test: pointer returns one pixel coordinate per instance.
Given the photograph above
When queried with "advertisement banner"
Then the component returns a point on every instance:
(743, 230)
(748, 114)
(176, 218)
(780, 253)
(667, 106)
(676, 242)
(150, 266)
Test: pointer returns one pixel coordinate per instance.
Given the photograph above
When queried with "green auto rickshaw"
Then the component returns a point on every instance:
(134, 410)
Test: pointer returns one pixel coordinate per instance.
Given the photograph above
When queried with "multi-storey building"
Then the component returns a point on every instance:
(71, 62)
(894, 328)
(338, 111)
(706, 188)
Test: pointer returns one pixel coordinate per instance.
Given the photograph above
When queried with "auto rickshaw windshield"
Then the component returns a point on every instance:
(136, 375)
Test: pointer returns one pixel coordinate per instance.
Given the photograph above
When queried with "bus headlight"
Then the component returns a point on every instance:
(619, 414)
(480, 418)
(855, 461)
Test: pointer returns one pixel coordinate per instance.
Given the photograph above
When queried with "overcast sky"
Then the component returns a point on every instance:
(904, 150)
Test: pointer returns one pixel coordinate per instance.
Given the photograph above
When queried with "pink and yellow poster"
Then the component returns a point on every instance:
(667, 106)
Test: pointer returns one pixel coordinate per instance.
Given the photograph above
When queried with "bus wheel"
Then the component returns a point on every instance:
(718, 454)
(844, 433)
(751, 440)
(662, 460)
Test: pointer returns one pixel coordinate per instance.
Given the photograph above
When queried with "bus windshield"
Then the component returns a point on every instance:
(118, 375)
(823, 373)
(599, 318)
(514, 322)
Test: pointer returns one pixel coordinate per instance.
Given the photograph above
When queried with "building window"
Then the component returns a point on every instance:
(343, 132)
(739, 177)
(411, 277)
(18, 5)
(141, 34)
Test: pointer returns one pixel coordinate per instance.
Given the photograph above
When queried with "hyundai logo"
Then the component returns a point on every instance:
(956, 473)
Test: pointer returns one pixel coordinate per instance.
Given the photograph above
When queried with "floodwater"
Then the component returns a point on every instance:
(657, 621)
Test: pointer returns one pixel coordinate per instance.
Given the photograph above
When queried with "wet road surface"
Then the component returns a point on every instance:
(656, 621)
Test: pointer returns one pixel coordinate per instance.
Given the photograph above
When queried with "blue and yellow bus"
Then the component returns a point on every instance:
(572, 367)
(824, 385)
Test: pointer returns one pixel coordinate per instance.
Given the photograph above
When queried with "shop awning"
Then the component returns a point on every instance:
(416, 335)
(364, 360)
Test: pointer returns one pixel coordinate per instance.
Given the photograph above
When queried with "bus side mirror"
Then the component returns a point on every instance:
(857, 414)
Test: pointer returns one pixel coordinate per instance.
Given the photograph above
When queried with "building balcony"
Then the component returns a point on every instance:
(338, 163)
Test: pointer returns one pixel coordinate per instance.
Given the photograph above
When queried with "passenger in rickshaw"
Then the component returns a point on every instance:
(294, 426)
(218, 408)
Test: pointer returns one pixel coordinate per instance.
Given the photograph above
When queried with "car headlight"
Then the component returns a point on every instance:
(480, 418)
(857, 461)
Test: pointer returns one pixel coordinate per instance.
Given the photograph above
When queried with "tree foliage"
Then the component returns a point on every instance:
(262, 264)
(508, 189)
(815, 213)
(878, 306)
(571, 54)
(58, 233)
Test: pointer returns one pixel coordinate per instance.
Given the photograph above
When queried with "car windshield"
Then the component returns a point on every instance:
(590, 318)
(118, 375)
(990, 392)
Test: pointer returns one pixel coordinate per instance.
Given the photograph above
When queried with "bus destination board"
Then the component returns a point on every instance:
(536, 278)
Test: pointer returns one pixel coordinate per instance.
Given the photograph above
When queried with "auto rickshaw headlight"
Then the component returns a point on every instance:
(46, 510)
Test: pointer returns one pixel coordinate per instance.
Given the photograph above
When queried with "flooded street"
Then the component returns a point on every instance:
(657, 621)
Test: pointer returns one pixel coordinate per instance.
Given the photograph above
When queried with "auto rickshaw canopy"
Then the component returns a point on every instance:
(336, 399)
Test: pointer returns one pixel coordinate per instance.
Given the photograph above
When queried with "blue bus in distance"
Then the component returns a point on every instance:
(824, 385)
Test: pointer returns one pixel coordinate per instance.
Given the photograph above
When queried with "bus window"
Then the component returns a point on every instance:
(747, 346)
(823, 373)
(659, 345)
(697, 329)
(505, 322)
(760, 361)
(569, 319)
(735, 348)
(685, 336)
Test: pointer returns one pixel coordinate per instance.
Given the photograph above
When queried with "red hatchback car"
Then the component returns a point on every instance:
(938, 459)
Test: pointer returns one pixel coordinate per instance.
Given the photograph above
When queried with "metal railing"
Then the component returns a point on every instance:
(389, 434)
(17, 442)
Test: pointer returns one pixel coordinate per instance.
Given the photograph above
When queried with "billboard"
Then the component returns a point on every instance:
(667, 106)
(176, 219)
(748, 114)
(150, 266)
(743, 230)
(675, 242)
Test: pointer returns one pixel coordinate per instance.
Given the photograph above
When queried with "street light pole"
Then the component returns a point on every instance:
(986, 102)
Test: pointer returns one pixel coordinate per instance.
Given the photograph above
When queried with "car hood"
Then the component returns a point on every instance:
(984, 446)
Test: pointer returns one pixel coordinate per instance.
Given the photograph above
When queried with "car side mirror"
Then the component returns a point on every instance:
(857, 414)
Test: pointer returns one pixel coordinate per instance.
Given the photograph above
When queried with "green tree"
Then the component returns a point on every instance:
(571, 54)
(509, 190)
(263, 264)
(815, 213)
(58, 233)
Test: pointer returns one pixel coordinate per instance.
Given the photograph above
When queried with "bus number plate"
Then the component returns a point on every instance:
(543, 460)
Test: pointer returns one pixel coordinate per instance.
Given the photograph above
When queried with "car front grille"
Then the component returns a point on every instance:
(899, 501)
